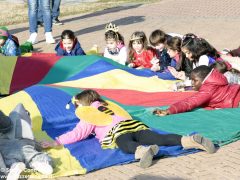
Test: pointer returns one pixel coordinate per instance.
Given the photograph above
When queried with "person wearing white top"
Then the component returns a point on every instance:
(115, 47)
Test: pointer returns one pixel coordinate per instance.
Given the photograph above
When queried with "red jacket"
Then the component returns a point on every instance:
(144, 59)
(215, 92)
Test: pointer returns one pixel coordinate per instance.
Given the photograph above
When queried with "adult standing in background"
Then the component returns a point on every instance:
(56, 12)
(55, 7)
(33, 6)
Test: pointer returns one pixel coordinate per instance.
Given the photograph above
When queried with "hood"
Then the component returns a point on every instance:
(215, 78)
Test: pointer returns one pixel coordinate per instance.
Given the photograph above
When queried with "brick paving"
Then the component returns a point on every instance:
(216, 20)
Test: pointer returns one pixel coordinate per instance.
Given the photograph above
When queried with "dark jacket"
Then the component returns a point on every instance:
(76, 51)
(215, 92)
(164, 58)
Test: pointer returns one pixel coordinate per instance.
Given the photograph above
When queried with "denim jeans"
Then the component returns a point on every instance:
(55, 6)
(33, 6)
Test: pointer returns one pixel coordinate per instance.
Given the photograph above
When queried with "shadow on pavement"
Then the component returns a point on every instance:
(118, 22)
(98, 13)
(105, 11)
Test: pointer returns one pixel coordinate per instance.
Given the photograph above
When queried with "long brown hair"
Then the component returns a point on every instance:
(137, 36)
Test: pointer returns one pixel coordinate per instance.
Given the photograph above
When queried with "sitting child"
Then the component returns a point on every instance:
(8, 43)
(114, 127)
(115, 47)
(173, 47)
(158, 40)
(140, 54)
(198, 52)
(213, 92)
(18, 148)
(69, 45)
(233, 75)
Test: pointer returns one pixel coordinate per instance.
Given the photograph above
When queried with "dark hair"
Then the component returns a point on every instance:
(114, 35)
(157, 36)
(88, 96)
(68, 34)
(201, 71)
(174, 43)
(140, 37)
(220, 66)
(198, 46)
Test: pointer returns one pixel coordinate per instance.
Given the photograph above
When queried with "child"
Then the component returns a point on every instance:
(69, 45)
(18, 149)
(158, 40)
(174, 51)
(233, 75)
(198, 50)
(106, 120)
(115, 47)
(8, 44)
(213, 92)
(140, 55)
(173, 46)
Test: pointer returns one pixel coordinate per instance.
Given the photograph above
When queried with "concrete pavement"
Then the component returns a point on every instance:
(216, 20)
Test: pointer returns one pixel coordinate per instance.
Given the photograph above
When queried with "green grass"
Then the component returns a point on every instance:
(18, 13)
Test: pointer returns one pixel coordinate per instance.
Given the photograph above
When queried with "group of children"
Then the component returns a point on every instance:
(188, 58)
(172, 53)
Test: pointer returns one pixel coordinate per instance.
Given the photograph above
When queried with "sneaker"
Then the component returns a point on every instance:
(198, 142)
(15, 171)
(57, 22)
(42, 167)
(39, 23)
(49, 38)
(33, 38)
(145, 154)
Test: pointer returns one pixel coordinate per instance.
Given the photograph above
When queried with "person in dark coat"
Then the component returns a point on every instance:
(69, 45)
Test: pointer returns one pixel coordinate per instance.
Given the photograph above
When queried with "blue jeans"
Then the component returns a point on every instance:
(33, 6)
(55, 6)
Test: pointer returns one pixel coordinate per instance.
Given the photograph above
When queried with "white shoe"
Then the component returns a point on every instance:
(49, 38)
(15, 171)
(33, 38)
(42, 167)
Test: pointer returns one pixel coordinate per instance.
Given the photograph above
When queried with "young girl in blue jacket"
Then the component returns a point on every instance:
(69, 45)
(8, 45)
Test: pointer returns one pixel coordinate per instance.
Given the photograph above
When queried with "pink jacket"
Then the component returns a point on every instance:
(215, 92)
(84, 129)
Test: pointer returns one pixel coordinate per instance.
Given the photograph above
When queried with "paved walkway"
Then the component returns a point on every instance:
(216, 20)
